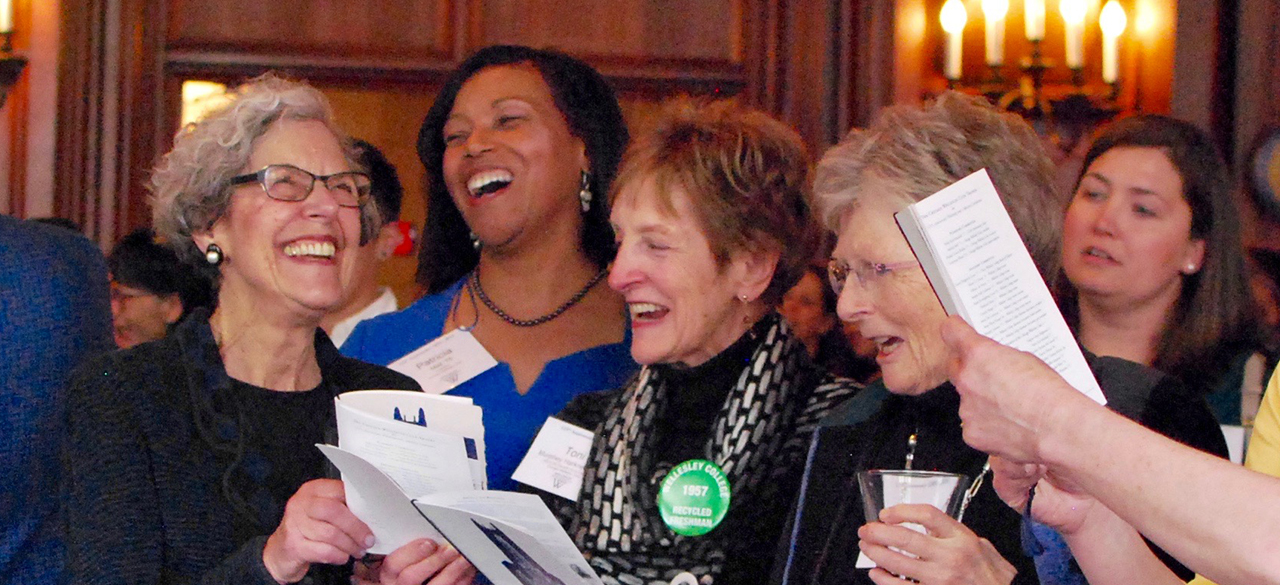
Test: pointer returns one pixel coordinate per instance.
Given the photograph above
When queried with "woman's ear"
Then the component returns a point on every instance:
(171, 308)
(202, 240)
(584, 160)
(1195, 258)
(753, 270)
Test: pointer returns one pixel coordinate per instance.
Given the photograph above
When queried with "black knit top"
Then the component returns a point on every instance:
(174, 473)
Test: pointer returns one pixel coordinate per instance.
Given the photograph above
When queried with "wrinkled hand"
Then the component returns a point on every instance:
(317, 527)
(415, 563)
(1058, 503)
(1006, 396)
(949, 554)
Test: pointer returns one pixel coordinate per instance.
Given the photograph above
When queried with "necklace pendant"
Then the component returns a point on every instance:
(911, 451)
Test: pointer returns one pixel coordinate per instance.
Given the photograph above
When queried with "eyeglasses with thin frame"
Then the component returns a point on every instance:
(866, 273)
(120, 293)
(290, 183)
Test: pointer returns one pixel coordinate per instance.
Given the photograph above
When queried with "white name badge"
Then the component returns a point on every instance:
(557, 458)
(445, 362)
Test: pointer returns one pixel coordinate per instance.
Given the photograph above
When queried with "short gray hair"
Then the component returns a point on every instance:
(920, 150)
(190, 187)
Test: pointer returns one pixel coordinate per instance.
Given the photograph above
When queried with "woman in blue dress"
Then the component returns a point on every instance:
(520, 148)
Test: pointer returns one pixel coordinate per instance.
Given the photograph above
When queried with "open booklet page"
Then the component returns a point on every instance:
(981, 270)
(408, 434)
(378, 502)
(512, 538)
(393, 443)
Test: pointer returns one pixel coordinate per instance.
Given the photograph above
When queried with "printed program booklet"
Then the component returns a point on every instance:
(393, 443)
(981, 270)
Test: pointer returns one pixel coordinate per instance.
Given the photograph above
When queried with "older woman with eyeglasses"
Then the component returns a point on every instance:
(909, 419)
(193, 458)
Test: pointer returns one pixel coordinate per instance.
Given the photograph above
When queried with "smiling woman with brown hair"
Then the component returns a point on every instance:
(714, 226)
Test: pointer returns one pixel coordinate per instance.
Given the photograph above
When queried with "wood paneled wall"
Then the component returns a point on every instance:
(125, 60)
(1256, 101)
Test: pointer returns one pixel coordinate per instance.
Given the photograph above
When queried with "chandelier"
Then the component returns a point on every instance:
(10, 65)
(1066, 112)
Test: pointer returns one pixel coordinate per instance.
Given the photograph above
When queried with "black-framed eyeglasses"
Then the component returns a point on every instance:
(867, 273)
(290, 183)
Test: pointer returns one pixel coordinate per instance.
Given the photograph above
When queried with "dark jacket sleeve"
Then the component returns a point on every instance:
(111, 510)
(115, 532)
(245, 565)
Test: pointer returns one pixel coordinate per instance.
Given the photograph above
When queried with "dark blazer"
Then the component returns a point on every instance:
(54, 311)
(143, 493)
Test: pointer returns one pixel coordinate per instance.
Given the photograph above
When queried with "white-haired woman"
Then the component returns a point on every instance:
(909, 418)
(192, 459)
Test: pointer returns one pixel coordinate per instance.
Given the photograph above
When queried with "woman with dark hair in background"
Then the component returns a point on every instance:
(810, 308)
(1155, 270)
(520, 148)
(151, 290)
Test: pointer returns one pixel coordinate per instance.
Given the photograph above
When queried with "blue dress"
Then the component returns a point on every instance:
(510, 419)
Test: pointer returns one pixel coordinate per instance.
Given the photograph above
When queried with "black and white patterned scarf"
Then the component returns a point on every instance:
(757, 435)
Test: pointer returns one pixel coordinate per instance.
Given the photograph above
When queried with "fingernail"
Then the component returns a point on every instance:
(369, 541)
(429, 546)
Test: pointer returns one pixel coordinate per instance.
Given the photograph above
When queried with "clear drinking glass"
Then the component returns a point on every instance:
(885, 488)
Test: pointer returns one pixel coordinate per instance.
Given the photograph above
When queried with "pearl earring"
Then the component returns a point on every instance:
(213, 255)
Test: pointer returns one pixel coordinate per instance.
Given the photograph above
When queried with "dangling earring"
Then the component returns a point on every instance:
(213, 255)
(584, 192)
(475, 242)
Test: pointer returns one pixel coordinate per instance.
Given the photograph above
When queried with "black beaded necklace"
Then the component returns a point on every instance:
(484, 298)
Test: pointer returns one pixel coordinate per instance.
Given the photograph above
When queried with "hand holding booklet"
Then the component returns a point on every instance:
(980, 269)
(395, 443)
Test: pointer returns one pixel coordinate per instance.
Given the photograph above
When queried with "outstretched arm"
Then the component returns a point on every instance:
(1215, 517)
(1106, 548)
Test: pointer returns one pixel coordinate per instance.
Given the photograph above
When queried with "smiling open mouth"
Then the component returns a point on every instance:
(641, 312)
(310, 250)
(488, 182)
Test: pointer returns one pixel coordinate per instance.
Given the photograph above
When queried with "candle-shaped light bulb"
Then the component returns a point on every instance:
(1033, 14)
(1112, 21)
(994, 11)
(6, 16)
(953, 18)
(1073, 12)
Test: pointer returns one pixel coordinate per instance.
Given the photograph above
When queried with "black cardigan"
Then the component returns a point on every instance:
(142, 492)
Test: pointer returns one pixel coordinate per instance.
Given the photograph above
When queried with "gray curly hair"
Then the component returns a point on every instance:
(189, 188)
(920, 150)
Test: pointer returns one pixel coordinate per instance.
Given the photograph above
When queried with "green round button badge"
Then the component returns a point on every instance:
(694, 497)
